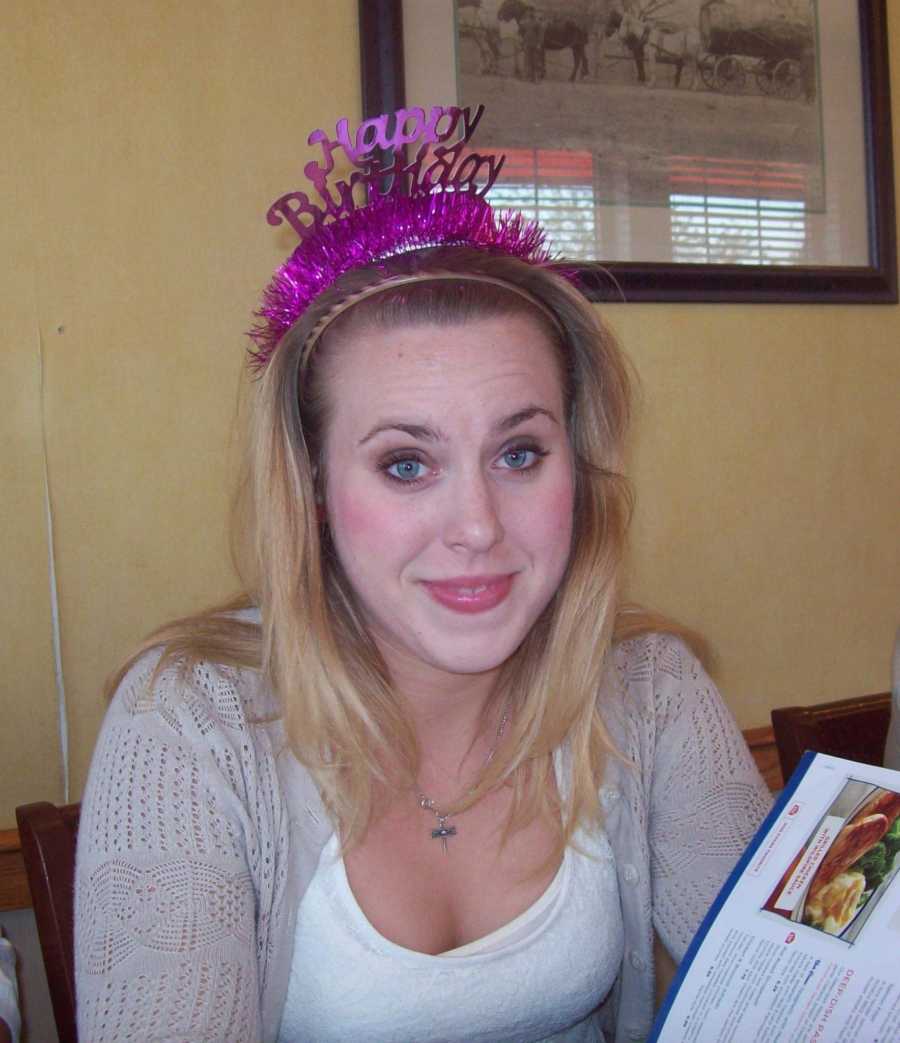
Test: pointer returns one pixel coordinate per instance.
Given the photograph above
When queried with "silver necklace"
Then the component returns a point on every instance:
(443, 830)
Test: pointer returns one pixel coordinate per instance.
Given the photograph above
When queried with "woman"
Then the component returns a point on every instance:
(427, 780)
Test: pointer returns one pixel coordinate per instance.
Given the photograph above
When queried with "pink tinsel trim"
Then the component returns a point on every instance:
(389, 226)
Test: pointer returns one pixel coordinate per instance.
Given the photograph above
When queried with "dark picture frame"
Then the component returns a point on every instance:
(383, 90)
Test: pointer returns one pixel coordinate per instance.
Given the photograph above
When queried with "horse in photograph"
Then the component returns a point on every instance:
(678, 47)
(540, 32)
(486, 36)
(633, 44)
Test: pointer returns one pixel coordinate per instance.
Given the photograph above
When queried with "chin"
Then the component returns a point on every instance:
(474, 658)
(465, 645)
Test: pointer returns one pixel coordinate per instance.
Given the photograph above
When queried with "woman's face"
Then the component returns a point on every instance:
(449, 486)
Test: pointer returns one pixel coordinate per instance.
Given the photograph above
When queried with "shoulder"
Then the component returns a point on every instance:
(665, 714)
(191, 698)
(175, 730)
(651, 677)
(655, 658)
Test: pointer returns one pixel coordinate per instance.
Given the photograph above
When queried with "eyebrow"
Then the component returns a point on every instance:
(424, 433)
(509, 422)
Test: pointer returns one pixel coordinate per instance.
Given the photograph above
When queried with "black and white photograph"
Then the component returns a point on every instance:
(655, 103)
(672, 141)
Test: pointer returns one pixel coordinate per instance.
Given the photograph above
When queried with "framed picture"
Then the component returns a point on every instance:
(676, 150)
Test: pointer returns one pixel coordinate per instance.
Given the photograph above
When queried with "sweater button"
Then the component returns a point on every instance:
(636, 960)
(630, 874)
(635, 1033)
(609, 795)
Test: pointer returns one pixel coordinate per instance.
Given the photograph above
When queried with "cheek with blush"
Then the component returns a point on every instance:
(367, 529)
(349, 517)
(549, 523)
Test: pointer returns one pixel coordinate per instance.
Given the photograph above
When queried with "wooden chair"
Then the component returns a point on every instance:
(48, 834)
(852, 728)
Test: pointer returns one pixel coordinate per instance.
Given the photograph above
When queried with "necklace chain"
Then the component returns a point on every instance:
(443, 831)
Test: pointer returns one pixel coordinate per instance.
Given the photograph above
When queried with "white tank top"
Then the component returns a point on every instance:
(538, 978)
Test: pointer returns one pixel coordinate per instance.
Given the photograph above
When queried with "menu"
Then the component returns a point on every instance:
(803, 943)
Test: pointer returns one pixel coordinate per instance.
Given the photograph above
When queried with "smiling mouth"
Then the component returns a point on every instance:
(470, 594)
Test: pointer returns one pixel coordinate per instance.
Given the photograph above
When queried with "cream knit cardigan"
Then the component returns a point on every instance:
(200, 832)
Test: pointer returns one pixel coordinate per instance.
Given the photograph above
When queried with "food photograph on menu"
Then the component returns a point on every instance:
(846, 865)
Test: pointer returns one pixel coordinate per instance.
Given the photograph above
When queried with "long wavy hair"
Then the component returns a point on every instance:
(344, 721)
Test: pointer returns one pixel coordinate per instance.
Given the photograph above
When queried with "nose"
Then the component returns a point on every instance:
(472, 518)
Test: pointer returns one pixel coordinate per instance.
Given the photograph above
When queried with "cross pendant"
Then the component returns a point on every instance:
(441, 833)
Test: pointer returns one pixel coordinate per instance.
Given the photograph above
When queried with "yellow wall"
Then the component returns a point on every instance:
(147, 140)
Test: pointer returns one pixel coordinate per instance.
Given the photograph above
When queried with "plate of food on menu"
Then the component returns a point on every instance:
(858, 866)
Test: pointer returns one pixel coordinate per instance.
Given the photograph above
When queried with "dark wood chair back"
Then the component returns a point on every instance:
(852, 728)
(48, 834)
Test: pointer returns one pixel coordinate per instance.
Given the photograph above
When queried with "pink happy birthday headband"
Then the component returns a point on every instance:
(435, 199)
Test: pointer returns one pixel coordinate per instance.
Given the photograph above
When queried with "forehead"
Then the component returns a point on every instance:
(479, 366)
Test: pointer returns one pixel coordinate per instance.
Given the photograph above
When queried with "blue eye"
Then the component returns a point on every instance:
(521, 458)
(406, 470)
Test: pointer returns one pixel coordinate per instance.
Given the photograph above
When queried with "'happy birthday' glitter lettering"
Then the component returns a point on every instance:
(436, 166)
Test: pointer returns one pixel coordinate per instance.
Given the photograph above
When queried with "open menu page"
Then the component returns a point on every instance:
(803, 943)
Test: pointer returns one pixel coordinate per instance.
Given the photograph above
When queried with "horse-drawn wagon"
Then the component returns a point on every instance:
(770, 41)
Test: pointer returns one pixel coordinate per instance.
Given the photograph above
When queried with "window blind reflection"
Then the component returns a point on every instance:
(556, 188)
(719, 211)
(735, 230)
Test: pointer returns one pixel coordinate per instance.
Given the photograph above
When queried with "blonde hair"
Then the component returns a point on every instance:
(343, 720)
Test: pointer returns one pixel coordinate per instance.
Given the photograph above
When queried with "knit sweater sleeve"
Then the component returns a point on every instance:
(168, 942)
(706, 796)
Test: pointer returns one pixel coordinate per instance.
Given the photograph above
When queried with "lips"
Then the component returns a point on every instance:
(470, 594)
